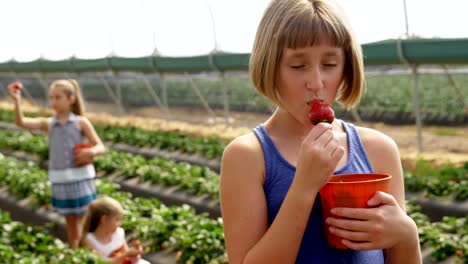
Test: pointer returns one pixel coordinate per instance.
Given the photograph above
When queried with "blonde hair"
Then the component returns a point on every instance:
(71, 88)
(301, 23)
(96, 209)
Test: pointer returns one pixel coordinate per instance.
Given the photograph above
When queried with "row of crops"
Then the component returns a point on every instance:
(208, 147)
(387, 97)
(434, 182)
(28, 244)
(194, 238)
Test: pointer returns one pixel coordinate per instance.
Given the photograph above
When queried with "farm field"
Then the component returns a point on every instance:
(197, 184)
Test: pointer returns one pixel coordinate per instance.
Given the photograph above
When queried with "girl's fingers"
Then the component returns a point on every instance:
(382, 198)
(325, 138)
(348, 224)
(359, 245)
(354, 213)
(318, 130)
(350, 235)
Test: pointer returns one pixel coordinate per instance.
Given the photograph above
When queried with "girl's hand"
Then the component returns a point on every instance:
(319, 155)
(14, 90)
(134, 253)
(83, 157)
(380, 227)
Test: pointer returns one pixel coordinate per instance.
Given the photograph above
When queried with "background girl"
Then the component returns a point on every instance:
(102, 232)
(70, 172)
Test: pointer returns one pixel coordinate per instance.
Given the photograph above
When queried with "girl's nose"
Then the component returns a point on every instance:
(314, 81)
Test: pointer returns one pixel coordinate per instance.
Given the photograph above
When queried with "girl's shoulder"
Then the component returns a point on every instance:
(46, 122)
(246, 144)
(244, 152)
(83, 122)
(82, 119)
(371, 137)
(120, 232)
(379, 146)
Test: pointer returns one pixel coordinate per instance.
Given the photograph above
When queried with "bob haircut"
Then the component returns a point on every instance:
(302, 23)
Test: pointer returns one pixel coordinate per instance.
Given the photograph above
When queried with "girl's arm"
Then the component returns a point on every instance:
(90, 133)
(243, 202)
(126, 252)
(38, 123)
(386, 226)
(386, 158)
(132, 254)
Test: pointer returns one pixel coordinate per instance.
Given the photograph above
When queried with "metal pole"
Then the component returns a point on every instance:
(3, 92)
(215, 42)
(225, 97)
(406, 18)
(460, 96)
(155, 97)
(200, 96)
(43, 85)
(164, 90)
(111, 93)
(118, 89)
(417, 110)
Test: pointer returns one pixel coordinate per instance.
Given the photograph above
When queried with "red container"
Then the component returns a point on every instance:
(79, 147)
(350, 190)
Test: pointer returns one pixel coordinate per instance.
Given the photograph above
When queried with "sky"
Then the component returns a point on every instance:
(59, 29)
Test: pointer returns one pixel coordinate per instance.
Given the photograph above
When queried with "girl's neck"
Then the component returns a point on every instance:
(62, 116)
(283, 124)
(102, 235)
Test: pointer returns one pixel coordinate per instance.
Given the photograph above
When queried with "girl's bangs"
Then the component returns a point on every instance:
(312, 28)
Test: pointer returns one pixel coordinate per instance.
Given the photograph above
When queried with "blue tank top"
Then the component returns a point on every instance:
(279, 174)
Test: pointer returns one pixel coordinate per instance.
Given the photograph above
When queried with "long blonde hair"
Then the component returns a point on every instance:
(98, 208)
(71, 88)
(301, 23)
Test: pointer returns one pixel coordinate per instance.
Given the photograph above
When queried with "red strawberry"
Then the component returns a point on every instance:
(136, 243)
(17, 86)
(320, 112)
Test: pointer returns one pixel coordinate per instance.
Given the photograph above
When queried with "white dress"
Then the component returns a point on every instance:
(116, 243)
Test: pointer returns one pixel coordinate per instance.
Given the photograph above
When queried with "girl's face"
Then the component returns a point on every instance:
(111, 222)
(59, 101)
(309, 73)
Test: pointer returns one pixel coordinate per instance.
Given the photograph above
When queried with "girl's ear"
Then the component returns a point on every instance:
(103, 219)
(71, 99)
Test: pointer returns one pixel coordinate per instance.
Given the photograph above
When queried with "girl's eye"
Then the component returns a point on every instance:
(297, 66)
(329, 64)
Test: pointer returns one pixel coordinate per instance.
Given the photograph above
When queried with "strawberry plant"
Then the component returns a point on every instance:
(22, 243)
(446, 238)
(208, 147)
(148, 219)
(194, 179)
(438, 182)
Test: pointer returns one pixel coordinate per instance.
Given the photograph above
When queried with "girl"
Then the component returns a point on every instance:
(102, 232)
(71, 173)
(270, 178)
